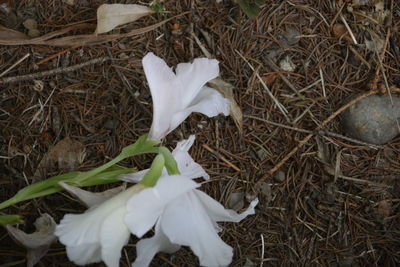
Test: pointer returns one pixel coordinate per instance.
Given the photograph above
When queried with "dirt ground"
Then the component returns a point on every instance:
(334, 202)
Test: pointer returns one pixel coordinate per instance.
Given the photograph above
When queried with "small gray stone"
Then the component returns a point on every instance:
(373, 119)
(280, 176)
(30, 24)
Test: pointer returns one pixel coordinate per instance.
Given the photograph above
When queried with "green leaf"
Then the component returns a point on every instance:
(157, 7)
(251, 7)
(107, 173)
(10, 219)
(170, 162)
(151, 177)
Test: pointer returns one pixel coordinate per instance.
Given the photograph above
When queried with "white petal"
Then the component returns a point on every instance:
(144, 208)
(187, 166)
(165, 91)
(135, 177)
(84, 254)
(114, 235)
(208, 102)
(218, 213)
(78, 229)
(91, 199)
(147, 248)
(194, 76)
(185, 145)
(185, 222)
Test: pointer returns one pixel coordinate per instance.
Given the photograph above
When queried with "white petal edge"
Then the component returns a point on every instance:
(144, 208)
(114, 235)
(147, 248)
(84, 254)
(91, 199)
(187, 166)
(193, 76)
(165, 92)
(208, 102)
(218, 213)
(185, 222)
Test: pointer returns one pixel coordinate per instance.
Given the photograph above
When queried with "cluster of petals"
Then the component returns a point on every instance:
(182, 216)
(179, 212)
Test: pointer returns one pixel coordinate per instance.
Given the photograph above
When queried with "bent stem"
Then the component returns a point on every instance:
(107, 173)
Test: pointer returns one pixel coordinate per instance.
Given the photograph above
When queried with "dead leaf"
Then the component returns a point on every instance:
(384, 209)
(264, 189)
(6, 33)
(113, 15)
(269, 78)
(75, 40)
(287, 64)
(91, 199)
(340, 31)
(226, 89)
(66, 155)
(37, 244)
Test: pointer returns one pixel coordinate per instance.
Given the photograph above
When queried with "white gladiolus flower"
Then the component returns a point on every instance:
(189, 219)
(99, 233)
(176, 95)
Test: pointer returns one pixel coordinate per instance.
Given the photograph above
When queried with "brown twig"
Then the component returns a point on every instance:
(233, 166)
(309, 136)
(38, 75)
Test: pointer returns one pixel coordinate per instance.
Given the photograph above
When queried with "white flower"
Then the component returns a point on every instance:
(100, 232)
(175, 96)
(188, 219)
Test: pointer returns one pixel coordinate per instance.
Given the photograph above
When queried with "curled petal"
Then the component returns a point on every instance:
(144, 208)
(147, 248)
(218, 213)
(187, 166)
(193, 76)
(135, 177)
(185, 222)
(208, 102)
(91, 199)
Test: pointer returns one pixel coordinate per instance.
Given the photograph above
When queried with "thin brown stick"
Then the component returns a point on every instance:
(38, 75)
(56, 55)
(233, 166)
(309, 136)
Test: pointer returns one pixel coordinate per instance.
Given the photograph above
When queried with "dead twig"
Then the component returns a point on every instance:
(42, 74)
(233, 166)
(309, 136)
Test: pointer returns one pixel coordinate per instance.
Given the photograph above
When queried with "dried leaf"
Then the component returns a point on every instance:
(287, 64)
(264, 189)
(384, 208)
(340, 31)
(269, 78)
(226, 89)
(67, 154)
(76, 40)
(37, 243)
(91, 199)
(6, 33)
(113, 15)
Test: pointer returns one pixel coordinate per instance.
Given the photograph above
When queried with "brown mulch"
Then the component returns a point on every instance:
(333, 203)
